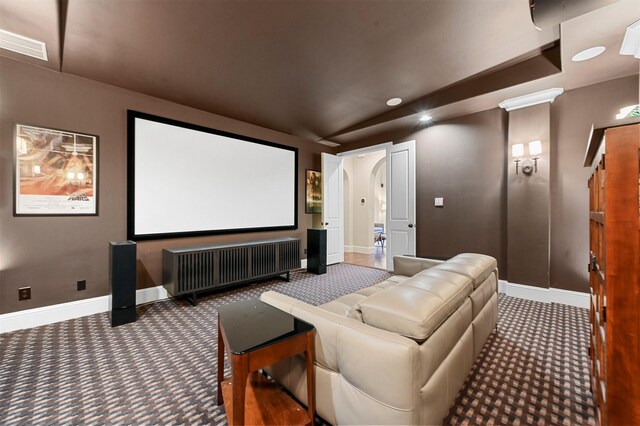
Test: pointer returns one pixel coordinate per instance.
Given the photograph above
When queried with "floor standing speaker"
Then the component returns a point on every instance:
(122, 278)
(317, 251)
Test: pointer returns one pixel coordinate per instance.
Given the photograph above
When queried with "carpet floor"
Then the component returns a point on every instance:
(162, 368)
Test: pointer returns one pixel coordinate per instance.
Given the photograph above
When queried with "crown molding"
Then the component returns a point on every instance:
(631, 41)
(531, 99)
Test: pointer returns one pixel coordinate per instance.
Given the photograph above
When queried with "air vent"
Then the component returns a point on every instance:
(23, 45)
(328, 143)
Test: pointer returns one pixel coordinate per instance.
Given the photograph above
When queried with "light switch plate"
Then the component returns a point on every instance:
(439, 202)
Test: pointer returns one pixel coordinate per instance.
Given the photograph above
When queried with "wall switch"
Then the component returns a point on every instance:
(82, 285)
(439, 202)
(24, 293)
(305, 251)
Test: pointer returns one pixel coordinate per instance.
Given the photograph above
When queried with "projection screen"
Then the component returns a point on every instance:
(187, 180)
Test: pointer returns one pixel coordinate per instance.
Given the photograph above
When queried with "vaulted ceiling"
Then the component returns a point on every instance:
(323, 70)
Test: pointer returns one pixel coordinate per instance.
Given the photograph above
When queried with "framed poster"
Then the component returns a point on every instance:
(55, 172)
(313, 194)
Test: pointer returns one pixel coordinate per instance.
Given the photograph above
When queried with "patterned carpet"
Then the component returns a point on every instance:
(533, 371)
(161, 369)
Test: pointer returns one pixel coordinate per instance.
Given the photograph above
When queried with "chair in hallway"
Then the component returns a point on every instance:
(379, 235)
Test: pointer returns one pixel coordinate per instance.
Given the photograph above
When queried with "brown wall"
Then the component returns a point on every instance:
(466, 161)
(463, 161)
(51, 254)
(571, 117)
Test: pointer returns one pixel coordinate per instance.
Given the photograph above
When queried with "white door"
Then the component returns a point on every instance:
(401, 201)
(332, 208)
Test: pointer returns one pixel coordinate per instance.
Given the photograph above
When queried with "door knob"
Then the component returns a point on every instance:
(411, 225)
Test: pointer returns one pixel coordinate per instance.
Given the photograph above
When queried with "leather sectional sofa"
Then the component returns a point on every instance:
(397, 352)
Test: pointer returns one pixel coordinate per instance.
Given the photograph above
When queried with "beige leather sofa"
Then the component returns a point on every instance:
(397, 352)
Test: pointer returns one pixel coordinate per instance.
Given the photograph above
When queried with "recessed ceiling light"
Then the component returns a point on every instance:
(394, 101)
(425, 117)
(587, 54)
(631, 41)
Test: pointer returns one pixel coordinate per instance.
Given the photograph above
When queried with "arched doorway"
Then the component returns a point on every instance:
(364, 203)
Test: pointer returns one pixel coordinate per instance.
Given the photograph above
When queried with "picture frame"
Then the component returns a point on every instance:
(55, 172)
(313, 192)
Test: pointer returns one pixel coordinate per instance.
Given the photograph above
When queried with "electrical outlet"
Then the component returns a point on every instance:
(82, 285)
(24, 293)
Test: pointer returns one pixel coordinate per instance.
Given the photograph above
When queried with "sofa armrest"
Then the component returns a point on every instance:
(409, 266)
(371, 364)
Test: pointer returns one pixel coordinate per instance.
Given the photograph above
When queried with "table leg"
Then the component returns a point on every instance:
(239, 374)
(220, 378)
(310, 356)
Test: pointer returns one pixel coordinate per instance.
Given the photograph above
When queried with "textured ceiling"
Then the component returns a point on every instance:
(316, 69)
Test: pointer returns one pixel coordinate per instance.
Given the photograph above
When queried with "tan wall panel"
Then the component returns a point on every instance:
(528, 200)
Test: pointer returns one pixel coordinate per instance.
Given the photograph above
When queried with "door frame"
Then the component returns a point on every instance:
(354, 152)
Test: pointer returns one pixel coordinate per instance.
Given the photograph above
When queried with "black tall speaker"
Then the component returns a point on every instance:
(122, 278)
(317, 251)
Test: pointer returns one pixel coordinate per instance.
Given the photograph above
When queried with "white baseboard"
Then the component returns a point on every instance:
(360, 249)
(65, 311)
(79, 308)
(151, 294)
(545, 295)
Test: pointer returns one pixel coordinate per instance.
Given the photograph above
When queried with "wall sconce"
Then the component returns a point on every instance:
(529, 165)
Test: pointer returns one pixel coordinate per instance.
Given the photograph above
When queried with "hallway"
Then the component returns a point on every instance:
(375, 260)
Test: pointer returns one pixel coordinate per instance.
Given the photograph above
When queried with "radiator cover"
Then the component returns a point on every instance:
(189, 270)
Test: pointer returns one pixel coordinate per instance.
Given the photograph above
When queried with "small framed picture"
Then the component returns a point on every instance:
(313, 194)
(55, 172)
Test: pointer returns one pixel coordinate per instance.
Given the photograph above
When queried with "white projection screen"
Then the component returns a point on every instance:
(187, 180)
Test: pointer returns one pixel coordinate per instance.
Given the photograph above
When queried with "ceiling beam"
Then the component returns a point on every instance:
(534, 65)
(63, 6)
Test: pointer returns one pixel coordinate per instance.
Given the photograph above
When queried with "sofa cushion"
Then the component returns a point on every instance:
(345, 305)
(475, 266)
(416, 307)
(393, 280)
(368, 291)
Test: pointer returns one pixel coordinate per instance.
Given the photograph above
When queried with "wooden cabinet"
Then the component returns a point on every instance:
(614, 234)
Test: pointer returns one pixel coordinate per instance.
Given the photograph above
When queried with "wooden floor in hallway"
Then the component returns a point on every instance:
(375, 260)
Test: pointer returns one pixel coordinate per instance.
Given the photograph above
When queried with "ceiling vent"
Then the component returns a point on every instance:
(328, 143)
(23, 45)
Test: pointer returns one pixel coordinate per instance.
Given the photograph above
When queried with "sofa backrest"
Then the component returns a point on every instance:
(473, 265)
(409, 266)
(416, 307)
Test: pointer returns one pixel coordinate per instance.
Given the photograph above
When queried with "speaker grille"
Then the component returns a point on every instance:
(190, 270)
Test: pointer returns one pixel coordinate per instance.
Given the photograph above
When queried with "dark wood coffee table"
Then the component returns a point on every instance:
(255, 335)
